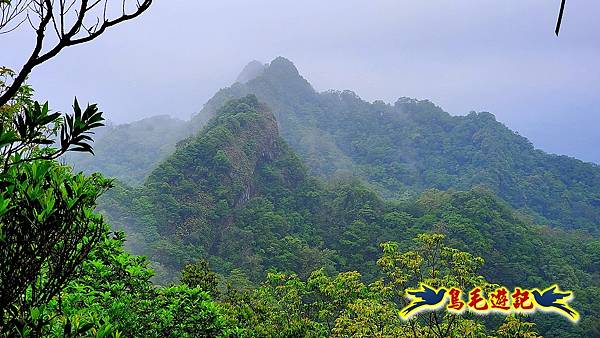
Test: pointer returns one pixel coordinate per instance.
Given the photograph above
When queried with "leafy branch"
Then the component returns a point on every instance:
(32, 133)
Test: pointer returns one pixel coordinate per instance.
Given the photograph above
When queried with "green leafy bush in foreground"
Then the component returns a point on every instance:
(114, 297)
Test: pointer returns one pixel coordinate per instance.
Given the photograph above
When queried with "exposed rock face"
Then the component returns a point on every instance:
(263, 136)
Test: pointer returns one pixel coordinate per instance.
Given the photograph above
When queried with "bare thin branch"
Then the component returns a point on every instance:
(67, 35)
(10, 11)
(560, 16)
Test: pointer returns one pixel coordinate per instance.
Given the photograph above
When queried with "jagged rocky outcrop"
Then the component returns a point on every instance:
(218, 167)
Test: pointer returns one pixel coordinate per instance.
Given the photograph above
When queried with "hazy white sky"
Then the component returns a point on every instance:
(498, 56)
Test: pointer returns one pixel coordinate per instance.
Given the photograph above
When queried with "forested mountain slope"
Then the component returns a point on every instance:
(413, 145)
(130, 151)
(236, 195)
(401, 149)
(203, 199)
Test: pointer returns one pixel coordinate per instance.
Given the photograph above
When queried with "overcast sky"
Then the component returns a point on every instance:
(498, 56)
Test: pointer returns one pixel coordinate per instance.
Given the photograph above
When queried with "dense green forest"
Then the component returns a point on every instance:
(236, 195)
(402, 149)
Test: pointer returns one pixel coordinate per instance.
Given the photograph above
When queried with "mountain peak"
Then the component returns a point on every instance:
(251, 71)
(283, 66)
(283, 76)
